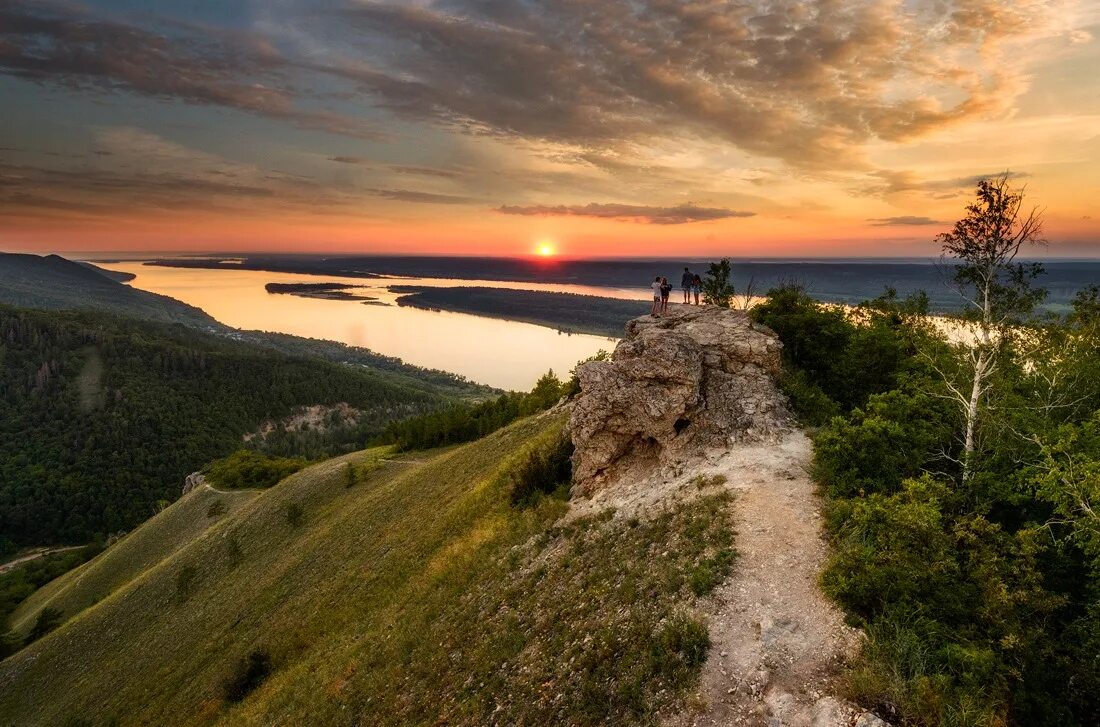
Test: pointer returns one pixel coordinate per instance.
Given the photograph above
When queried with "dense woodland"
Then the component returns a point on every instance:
(103, 416)
(465, 422)
(975, 575)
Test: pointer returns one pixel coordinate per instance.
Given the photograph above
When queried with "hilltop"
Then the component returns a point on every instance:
(52, 282)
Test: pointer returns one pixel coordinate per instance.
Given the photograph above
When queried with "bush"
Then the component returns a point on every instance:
(294, 514)
(680, 645)
(185, 579)
(249, 674)
(873, 450)
(249, 470)
(48, 619)
(542, 471)
(836, 356)
(217, 508)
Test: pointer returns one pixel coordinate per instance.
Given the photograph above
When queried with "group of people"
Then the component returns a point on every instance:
(690, 283)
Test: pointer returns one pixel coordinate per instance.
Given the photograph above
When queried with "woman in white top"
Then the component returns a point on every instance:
(656, 296)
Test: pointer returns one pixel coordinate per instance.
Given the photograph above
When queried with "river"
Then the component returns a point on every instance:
(501, 353)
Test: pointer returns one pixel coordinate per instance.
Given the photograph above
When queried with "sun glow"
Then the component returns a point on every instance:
(545, 249)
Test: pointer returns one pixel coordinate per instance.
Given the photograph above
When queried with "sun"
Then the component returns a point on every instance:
(545, 249)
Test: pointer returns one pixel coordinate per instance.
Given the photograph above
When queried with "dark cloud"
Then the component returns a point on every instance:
(424, 171)
(677, 215)
(349, 160)
(904, 220)
(49, 42)
(888, 182)
(409, 195)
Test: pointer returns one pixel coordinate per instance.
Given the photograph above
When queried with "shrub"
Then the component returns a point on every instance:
(874, 449)
(716, 287)
(249, 673)
(680, 645)
(709, 572)
(48, 619)
(542, 471)
(217, 508)
(245, 469)
(294, 514)
(185, 579)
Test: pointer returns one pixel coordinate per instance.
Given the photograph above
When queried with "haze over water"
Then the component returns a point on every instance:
(505, 354)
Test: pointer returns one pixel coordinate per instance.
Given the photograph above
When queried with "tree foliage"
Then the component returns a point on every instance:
(467, 422)
(717, 288)
(979, 595)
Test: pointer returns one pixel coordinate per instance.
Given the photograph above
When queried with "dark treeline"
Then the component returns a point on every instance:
(467, 422)
(104, 416)
(566, 312)
(976, 578)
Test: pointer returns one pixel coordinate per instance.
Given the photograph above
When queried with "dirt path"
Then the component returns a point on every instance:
(34, 555)
(777, 643)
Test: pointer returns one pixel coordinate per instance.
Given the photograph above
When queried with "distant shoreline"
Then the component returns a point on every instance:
(831, 281)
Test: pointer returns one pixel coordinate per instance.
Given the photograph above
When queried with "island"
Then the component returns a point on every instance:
(566, 312)
(327, 291)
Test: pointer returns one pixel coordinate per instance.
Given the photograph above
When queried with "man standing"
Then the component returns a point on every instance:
(685, 284)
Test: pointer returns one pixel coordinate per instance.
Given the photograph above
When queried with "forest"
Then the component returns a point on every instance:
(961, 482)
(104, 416)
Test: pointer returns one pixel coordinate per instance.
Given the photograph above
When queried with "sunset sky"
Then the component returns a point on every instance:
(598, 127)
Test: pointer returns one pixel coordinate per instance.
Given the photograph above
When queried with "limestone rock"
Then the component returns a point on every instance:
(698, 378)
(193, 481)
(869, 719)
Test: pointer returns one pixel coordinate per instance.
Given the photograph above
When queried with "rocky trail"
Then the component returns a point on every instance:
(689, 403)
(778, 645)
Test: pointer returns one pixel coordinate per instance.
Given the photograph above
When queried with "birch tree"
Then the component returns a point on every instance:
(998, 291)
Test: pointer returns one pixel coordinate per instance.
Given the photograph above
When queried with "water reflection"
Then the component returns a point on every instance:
(501, 353)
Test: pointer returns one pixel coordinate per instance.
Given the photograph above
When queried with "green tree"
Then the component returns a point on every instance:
(717, 289)
(998, 290)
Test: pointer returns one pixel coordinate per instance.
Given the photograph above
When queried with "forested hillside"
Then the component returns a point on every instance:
(104, 416)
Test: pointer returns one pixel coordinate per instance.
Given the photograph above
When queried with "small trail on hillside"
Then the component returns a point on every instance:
(35, 555)
(778, 645)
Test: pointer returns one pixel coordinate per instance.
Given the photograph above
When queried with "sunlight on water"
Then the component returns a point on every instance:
(500, 353)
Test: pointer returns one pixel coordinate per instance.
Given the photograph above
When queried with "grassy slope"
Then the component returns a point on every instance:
(169, 531)
(417, 593)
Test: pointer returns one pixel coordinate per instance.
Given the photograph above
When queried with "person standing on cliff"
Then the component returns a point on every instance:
(666, 291)
(656, 297)
(685, 284)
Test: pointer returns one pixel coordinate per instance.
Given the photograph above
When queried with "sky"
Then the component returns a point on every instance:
(592, 128)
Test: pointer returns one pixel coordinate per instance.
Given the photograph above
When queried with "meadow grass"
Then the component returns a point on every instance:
(420, 595)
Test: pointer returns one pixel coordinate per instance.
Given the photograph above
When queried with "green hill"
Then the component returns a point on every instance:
(104, 416)
(418, 595)
(53, 283)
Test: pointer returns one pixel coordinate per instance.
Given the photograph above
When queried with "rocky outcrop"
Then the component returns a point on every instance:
(193, 481)
(696, 379)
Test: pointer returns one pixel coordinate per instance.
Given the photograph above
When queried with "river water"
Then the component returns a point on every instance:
(505, 354)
